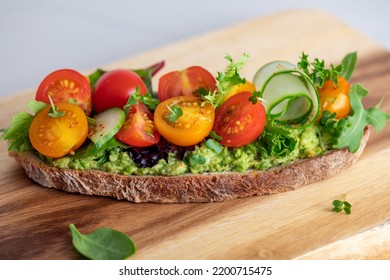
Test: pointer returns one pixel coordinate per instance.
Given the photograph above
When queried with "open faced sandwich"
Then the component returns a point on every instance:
(199, 137)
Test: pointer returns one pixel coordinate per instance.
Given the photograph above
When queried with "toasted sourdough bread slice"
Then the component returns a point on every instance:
(208, 187)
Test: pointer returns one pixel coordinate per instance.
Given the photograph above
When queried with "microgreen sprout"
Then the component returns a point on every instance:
(175, 112)
(53, 110)
(340, 205)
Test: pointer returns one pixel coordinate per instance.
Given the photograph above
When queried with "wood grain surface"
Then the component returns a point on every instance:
(294, 225)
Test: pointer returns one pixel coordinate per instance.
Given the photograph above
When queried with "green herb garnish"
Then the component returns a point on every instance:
(53, 110)
(175, 112)
(18, 132)
(317, 71)
(197, 159)
(349, 132)
(340, 205)
(214, 145)
(103, 244)
(225, 81)
(215, 136)
(147, 99)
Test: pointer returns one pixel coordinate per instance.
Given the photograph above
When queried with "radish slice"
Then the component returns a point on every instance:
(289, 95)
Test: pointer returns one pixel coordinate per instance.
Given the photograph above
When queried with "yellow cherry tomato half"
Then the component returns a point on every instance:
(58, 136)
(194, 124)
(335, 99)
(247, 86)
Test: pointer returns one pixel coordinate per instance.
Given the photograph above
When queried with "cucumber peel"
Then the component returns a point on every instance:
(290, 96)
(108, 123)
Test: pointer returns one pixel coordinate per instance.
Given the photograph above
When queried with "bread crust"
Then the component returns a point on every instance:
(210, 187)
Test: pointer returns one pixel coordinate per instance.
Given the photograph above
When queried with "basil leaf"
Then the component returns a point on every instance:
(353, 127)
(349, 65)
(103, 244)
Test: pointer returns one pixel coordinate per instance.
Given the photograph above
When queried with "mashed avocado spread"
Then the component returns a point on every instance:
(275, 146)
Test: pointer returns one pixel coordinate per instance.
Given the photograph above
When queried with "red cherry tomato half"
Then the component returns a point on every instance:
(185, 82)
(138, 129)
(63, 85)
(114, 88)
(238, 121)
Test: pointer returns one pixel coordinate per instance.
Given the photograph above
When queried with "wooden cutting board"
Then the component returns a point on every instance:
(299, 224)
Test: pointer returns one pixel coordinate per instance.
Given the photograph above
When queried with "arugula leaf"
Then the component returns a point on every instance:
(103, 244)
(350, 130)
(226, 80)
(349, 65)
(175, 113)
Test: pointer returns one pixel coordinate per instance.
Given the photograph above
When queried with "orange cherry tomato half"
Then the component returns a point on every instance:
(247, 86)
(238, 121)
(58, 136)
(63, 85)
(185, 82)
(138, 129)
(191, 127)
(335, 99)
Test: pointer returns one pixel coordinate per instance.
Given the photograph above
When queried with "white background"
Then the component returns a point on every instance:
(40, 36)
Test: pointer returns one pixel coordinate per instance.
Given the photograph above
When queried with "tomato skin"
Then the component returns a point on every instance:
(247, 86)
(185, 82)
(114, 88)
(58, 136)
(65, 84)
(335, 99)
(238, 121)
(138, 129)
(192, 127)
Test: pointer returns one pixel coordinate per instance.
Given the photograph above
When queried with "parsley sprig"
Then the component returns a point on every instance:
(147, 99)
(317, 71)
(225, 81)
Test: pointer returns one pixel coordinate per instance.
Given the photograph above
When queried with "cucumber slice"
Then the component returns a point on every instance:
(108, 124)
(268, 69)
(290, 97)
